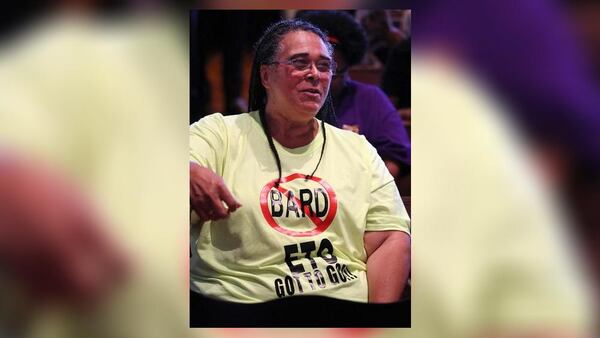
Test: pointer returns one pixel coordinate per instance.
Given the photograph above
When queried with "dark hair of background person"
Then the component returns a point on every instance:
(342, 26)
(265, 50)
(396, 68)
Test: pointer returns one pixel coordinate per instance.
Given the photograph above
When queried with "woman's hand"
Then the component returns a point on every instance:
(208, 192)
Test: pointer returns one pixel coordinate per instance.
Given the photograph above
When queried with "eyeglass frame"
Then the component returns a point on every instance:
(290, 62)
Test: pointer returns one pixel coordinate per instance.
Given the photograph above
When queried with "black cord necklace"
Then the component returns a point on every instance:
(265, 125)
(322, 151)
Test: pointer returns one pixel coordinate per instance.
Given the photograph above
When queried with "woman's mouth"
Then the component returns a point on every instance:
(311, 93)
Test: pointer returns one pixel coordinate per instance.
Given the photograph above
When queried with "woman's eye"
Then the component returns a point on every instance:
(300, 64)
(324, 66)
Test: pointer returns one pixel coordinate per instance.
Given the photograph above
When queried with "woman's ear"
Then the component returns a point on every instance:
(264, 76)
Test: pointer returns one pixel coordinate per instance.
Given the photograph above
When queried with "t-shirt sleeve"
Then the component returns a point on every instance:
(208, 142)
(386, 210)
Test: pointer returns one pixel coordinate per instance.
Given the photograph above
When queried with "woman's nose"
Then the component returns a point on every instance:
(313, 73)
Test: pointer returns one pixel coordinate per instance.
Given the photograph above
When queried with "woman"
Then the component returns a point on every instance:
(288, 204)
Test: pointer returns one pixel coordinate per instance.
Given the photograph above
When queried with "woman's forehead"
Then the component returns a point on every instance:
(302, 42)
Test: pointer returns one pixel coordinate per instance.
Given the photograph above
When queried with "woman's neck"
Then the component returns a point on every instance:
(291, 134)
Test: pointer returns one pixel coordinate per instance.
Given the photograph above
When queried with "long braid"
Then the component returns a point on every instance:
(332, 120)
(265, 125)
(322, 151)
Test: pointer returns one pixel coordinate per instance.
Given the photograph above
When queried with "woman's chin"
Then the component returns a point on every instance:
(310, 108)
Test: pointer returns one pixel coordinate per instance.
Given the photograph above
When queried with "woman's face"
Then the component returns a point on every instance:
(298, 82)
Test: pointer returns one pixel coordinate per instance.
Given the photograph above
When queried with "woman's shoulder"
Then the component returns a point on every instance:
(352, 147)
(231, 123)
(348, 138)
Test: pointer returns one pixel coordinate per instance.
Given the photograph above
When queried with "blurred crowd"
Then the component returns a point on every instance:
(504, 165)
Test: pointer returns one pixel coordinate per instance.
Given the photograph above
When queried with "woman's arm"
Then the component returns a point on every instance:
(388, 264)
(208, 192)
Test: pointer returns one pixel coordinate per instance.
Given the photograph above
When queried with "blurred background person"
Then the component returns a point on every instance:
(504, 263)
(530, 58)
(381, 32)
(395, 80)
(89, 111)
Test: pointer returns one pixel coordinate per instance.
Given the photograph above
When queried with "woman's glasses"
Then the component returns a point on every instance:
(302, 64)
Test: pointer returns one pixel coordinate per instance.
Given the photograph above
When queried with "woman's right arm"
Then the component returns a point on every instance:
(209, 196)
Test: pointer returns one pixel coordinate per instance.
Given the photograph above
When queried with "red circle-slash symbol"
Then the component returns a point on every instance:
(320, 224)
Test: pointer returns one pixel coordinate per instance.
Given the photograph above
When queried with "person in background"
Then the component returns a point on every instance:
(395, 81)
(381, 32)
(360, 107)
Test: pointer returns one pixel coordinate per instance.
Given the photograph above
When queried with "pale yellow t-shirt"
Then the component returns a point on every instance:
(304, 237)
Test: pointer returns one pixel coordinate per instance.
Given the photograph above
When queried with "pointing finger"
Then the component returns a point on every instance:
(228, 198)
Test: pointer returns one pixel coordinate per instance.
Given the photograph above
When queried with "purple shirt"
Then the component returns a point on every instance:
(367, 110)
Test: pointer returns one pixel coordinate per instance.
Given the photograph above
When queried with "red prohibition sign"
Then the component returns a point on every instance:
(320, 225)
